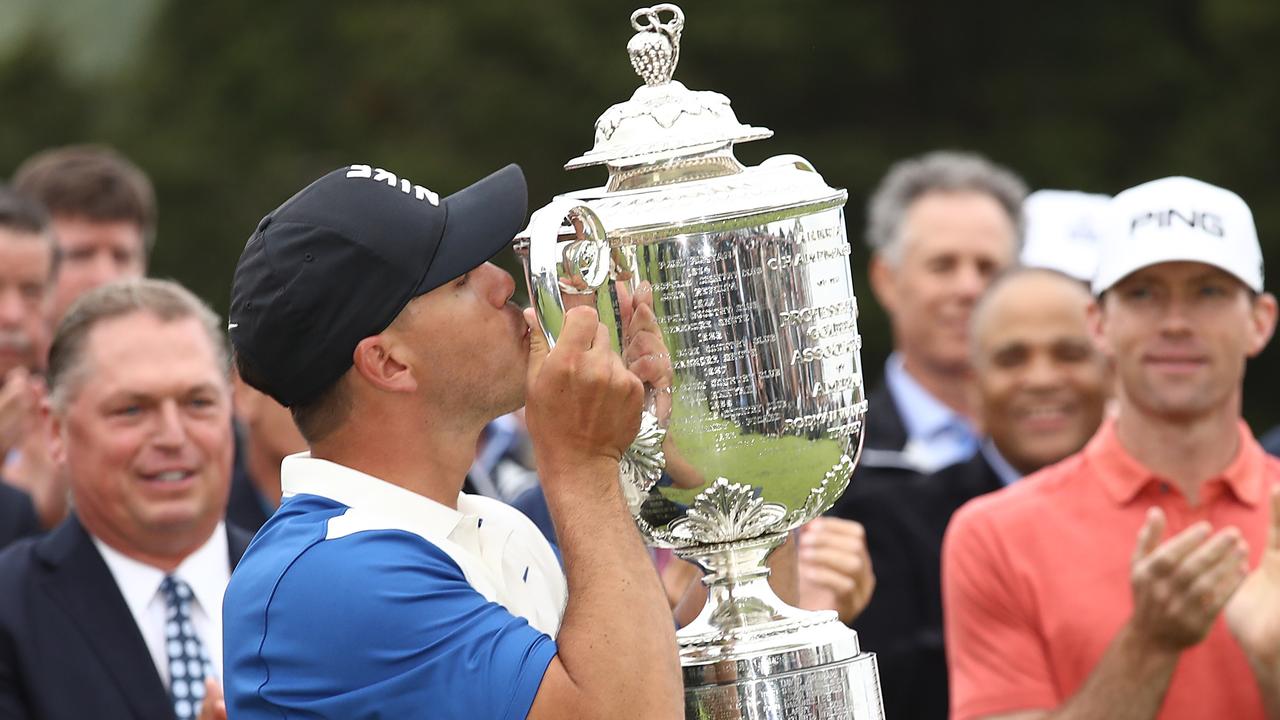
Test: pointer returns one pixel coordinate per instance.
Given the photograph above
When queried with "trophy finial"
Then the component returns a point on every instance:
(655, 48)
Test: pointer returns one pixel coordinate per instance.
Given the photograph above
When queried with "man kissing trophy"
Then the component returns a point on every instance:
(754, 418)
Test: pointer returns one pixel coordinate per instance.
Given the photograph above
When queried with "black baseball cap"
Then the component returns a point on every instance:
(338, 261)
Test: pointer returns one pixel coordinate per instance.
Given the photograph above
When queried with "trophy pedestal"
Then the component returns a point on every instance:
(737, 690)
(750, 656)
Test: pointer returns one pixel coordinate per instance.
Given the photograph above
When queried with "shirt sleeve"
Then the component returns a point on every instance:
(384, 624)
(995, 651)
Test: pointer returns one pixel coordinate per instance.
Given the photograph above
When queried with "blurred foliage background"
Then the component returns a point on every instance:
(232, 106)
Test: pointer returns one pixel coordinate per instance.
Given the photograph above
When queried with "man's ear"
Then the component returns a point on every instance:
(1263, 322)
(1095, 316)
(245, 401)
(384, 363)
(883, 283)
(53, 425)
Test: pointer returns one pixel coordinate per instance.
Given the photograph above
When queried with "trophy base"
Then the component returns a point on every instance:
(750, 656)
(821, 682)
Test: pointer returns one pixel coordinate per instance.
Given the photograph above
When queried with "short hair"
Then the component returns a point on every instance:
(23, 216)
(1010, 275)
(939, 171)
(316, 418)
(165, 299)
(94, 182)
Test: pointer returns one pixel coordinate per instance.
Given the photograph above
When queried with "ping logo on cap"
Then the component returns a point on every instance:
(1208, 222)
(406, 187)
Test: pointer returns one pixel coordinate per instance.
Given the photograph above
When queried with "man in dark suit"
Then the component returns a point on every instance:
(1039, 391)
(17, 515)
(117, 612)
(941, 226)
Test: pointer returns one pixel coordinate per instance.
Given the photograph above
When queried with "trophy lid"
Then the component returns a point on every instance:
(663, 119)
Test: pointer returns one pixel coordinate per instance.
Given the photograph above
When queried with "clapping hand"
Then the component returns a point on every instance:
(1253, 613)
(1180, 585)
(835, 567)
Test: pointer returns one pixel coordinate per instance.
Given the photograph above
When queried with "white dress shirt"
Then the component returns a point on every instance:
(207, 571)
(937, 436)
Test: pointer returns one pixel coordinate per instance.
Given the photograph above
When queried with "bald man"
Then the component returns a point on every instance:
(1040, 385)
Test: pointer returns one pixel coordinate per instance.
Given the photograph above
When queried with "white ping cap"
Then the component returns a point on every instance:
(1179, 219)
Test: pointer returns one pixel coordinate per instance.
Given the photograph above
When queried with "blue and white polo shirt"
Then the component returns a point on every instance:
(361, 599)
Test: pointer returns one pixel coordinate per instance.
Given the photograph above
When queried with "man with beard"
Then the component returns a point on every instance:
(367, 306)
(1139, 578)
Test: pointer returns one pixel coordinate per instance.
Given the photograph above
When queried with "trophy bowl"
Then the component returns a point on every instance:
(754, 409)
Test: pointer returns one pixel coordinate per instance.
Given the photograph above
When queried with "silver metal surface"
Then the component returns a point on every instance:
(755, 399)
(847, 688)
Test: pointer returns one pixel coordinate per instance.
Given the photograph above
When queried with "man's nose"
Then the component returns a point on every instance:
(169, 429)
(102, 268)
(970, 281)
(12, 309)
(503, 286)
(1042, 372)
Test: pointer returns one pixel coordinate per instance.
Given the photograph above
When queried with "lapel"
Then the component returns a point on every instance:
(237, 542)
(77, 579)
(885, 430)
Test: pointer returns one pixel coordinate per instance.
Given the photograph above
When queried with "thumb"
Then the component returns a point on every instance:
(1150, 534)
(213, 706)
(538, 348)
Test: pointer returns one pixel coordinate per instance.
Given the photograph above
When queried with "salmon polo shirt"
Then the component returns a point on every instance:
(1036, 581)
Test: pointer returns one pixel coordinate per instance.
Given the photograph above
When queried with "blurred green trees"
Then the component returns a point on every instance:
(232, 106)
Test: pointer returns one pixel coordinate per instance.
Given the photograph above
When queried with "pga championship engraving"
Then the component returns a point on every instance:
(728, 290)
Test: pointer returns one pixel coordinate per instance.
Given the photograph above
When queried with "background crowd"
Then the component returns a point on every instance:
(981, 364)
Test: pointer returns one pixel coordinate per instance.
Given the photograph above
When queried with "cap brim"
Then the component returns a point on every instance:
(1182, 249)
(482, 219)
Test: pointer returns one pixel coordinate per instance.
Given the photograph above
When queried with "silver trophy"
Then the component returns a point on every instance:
(755, 425)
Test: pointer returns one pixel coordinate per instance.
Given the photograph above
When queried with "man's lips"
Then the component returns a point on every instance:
(173, 476)
(1046, 417)
(1175, 362)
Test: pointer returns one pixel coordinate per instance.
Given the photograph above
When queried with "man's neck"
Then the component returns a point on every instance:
(431, 459)
(264, 471)
(164, 553)
(1187, 452)
(949, 386)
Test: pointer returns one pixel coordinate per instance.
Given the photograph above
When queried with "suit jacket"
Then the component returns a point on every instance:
(244, 504)
(17, 515)
(69, 647)
(905, 515)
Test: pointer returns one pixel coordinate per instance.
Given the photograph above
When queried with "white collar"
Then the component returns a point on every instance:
(1007, 473)
(302, 474)
(206, 570)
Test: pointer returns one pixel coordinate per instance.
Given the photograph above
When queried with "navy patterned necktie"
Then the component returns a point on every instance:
(188, 660)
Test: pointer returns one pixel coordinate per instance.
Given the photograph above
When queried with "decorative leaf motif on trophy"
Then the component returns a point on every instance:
(643, 462)
(655, 48)
(728, 511)
(822, 497)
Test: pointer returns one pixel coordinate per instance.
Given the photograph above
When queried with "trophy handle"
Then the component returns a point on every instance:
(577, 268)
(572, 272)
